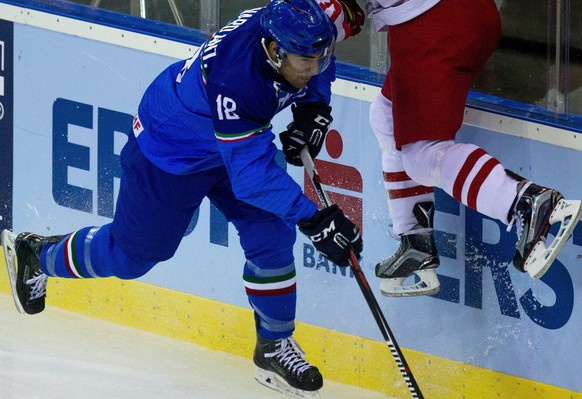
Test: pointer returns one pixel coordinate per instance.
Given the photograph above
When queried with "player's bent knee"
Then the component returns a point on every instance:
(126, 267)
(131, 269)
(422, 161)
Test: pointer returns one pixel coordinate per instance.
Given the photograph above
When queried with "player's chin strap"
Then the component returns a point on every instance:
(275, 65)
(364, 286)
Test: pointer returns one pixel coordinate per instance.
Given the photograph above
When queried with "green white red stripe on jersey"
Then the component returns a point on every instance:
(229, 138)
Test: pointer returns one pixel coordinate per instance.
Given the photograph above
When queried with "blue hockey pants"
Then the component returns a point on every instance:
(153, 211)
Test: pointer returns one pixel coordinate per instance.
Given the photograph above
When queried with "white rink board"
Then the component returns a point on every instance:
(487, 315)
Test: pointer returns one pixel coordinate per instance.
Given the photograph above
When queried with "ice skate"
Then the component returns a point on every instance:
(416, 256)
(27, 281)
(284, 359)
(536, 209)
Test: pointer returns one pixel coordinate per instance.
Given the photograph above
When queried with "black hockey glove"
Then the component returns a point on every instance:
(354, 15)
(309, 127)
(332, 233)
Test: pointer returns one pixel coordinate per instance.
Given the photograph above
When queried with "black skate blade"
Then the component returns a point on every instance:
(270, 380)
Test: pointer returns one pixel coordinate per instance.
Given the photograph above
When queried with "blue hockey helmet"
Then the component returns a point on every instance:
(299, 27)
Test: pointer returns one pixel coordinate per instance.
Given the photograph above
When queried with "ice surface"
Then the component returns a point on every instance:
(62, 355)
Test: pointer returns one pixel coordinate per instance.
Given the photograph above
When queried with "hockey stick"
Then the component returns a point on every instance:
(365, 287)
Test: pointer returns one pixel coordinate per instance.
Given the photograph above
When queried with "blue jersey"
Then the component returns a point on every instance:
(216, 108)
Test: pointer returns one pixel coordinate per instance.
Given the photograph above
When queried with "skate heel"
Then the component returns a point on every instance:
(541, 257)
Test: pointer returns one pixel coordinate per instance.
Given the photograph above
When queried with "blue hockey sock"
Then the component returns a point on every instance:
(71, 256)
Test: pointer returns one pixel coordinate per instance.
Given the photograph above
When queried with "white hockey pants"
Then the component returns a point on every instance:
(463, 171)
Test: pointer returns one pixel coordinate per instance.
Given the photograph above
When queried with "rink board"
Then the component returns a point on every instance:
(68, 96)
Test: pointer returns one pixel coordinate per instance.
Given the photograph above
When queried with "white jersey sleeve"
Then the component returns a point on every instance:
(334, 10)
(393, 12)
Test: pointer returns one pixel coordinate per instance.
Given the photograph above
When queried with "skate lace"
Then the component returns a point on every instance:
(518, 216)
(519, 220)
(290, 355)
(37, 286)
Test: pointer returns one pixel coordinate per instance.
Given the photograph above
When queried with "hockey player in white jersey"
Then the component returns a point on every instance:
(203, 130)
(436, 48)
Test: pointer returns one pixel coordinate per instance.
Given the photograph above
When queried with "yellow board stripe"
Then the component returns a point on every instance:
(340, 357)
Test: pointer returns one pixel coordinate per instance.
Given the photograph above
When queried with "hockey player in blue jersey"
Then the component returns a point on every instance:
(203, 130)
